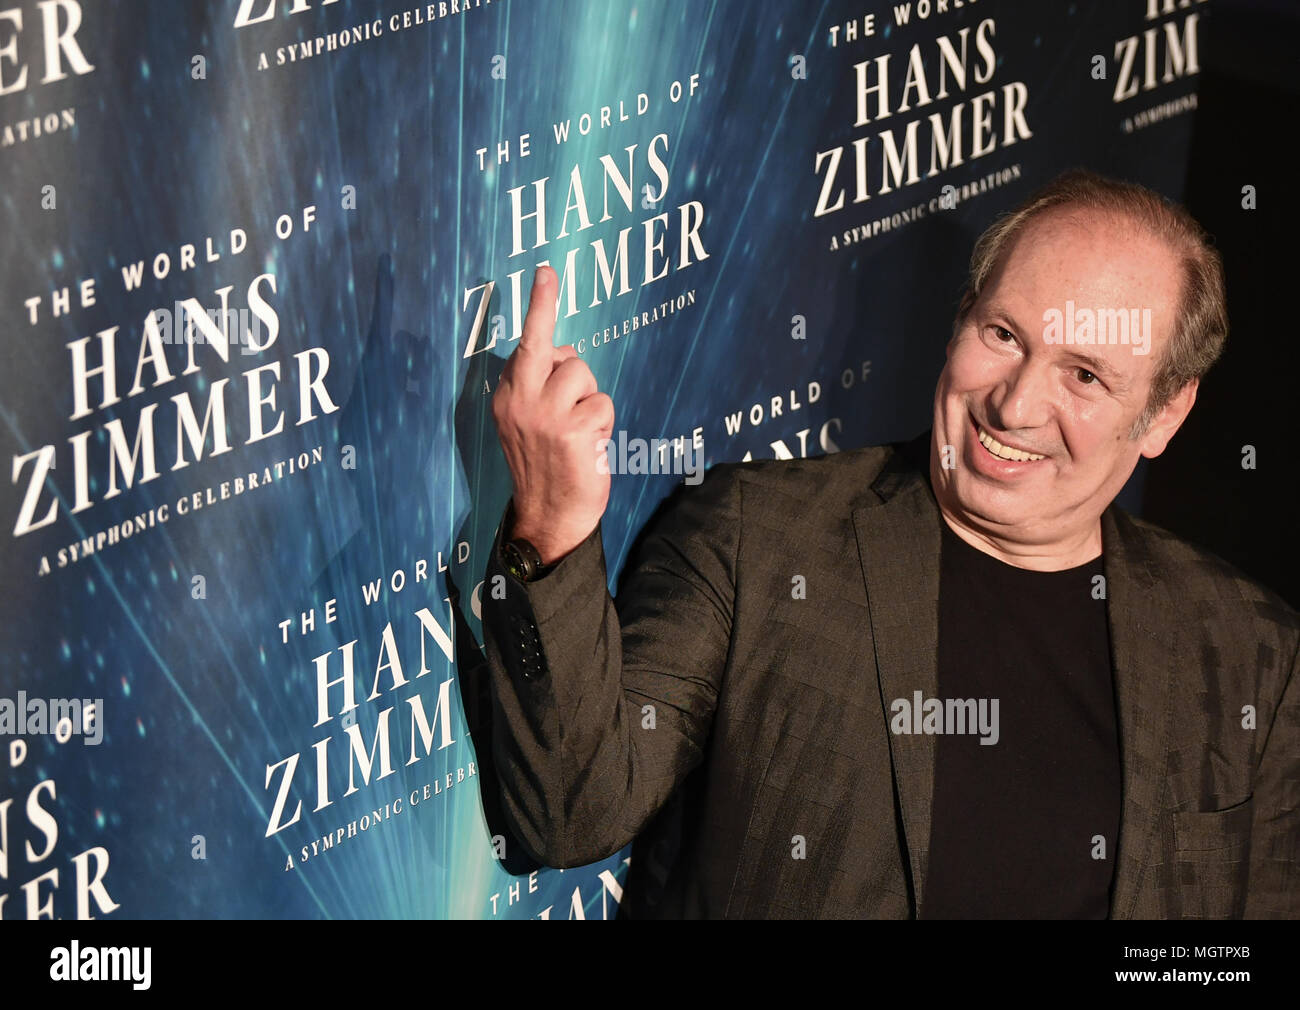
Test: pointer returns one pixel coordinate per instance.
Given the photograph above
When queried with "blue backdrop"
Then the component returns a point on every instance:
(363, 154)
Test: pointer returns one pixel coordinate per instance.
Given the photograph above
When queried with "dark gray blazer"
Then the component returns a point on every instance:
(719, 719)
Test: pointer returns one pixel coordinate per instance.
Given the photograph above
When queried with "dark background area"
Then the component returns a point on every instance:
(1244, 136)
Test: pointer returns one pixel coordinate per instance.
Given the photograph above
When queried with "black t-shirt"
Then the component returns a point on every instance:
(1015, 824)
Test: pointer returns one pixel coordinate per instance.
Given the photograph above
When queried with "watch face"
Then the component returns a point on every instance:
(515, 563)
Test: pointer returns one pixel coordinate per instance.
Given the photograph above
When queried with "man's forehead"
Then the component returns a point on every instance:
(1102, 255)
(1075, 265)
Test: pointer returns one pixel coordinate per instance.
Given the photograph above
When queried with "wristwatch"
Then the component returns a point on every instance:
(522, 560)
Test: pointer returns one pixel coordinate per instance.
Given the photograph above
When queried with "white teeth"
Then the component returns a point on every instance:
(1005, 451)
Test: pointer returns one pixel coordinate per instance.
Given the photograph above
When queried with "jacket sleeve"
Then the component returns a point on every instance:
(1274, 884)
(599, 712)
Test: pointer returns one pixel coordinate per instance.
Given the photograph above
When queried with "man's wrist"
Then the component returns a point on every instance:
(551, 550)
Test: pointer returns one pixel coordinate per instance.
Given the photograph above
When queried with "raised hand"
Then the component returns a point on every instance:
(551, 419)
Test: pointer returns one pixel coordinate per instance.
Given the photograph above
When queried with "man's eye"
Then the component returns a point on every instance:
(1003, 334)
(1086, 377)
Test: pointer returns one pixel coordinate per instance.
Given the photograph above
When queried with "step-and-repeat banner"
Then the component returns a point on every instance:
(261, 262)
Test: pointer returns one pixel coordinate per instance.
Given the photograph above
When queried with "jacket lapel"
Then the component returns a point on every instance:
(898, 547)
(1144, 657)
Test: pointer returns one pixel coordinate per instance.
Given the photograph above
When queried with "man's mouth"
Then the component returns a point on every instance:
(1006, 452)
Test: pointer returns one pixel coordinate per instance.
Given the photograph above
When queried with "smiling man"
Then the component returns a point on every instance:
(942, 679)
(1049, 432)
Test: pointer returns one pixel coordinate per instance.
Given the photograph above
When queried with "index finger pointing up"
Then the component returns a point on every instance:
(537, 340)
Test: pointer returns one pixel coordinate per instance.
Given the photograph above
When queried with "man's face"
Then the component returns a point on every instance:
(1071, 404)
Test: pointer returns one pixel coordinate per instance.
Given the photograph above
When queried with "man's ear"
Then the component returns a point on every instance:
(1169, 420)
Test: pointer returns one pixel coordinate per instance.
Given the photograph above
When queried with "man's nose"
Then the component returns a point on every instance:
(1023, 398)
